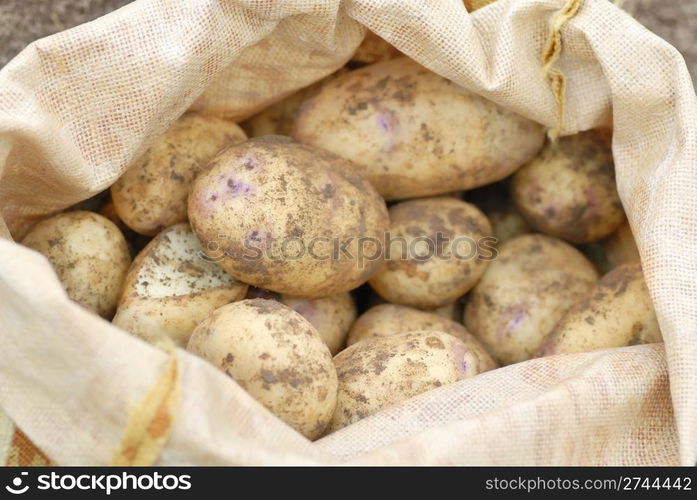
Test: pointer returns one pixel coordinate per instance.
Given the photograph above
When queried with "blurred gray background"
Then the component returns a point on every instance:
(22, 21)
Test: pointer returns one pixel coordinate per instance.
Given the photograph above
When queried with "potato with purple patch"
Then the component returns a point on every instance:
(332, 316)
(438, 251)
(151, 194)
(618, 312)
(569, 190)
(171, 287)
(277, 356)
(524, 293)
(382, 371)
(88, 253)
(289, 218)
(414, 133)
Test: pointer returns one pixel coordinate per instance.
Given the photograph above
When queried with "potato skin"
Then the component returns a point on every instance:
(171, 288)
(438, 277)
(271, 192)
(151, 194)
(383, 371)
(391, 319)
(414, 133)
(332, 316)
(277, 356)
(524, 293)
(617, 312)
(569, 190)
(88, 253)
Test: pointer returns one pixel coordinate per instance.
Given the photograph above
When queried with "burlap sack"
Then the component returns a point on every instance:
(78, 107)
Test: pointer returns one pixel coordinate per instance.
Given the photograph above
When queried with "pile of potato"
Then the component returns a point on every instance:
(244, 270)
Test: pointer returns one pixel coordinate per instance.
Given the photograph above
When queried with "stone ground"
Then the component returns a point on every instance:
(22, 21)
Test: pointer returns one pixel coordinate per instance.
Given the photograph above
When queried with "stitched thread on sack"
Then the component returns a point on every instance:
(150, 423)
(555, 78)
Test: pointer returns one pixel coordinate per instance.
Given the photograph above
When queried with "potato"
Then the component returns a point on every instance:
(151, 194)
(620, 248)
(414, 133)
(277, 356)
(438, 252)
(569, 190)
(390, 319)
(88, 253)
(617, 312)
(374, 49)
(524, 293)
(172, 287)
(289, 218)
(383, 371)
(279, 118)
(331, 316)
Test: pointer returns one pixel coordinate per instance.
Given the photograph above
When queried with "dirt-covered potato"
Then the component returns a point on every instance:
(620, 248)
(88, 253)
(374, 49)
(332, 316)
(414, 133)
(617, 312)
(383, 371)
(151, 194)
(279, 118)
(171, 287)
(438, 251)
(391, 319)
(289, 218)
(524, 293)
(569, 190)
(277, 356)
